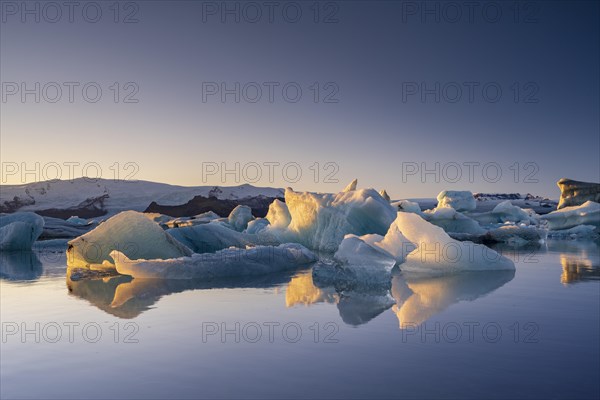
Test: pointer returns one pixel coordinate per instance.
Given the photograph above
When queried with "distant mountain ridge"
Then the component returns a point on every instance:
(89, 198)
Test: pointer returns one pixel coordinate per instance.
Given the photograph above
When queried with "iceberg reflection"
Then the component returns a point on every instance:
(127, 297)
(20, 265)
(420, 298)
(580, 260)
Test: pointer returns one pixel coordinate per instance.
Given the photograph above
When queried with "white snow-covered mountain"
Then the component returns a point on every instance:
(114, 196)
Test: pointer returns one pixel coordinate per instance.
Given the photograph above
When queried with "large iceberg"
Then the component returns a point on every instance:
(460, 200)
(18, 231)
(568, 217)
(130, 232)
(225, 263)
(321, 220)
(436, 252)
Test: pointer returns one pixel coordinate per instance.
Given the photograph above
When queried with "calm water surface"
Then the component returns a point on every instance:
(533, 333)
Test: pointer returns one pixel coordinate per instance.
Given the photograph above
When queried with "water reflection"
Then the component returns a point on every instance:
(355, 306)
(420, 298)
(580, 260)
(20, 265)
(126, 297)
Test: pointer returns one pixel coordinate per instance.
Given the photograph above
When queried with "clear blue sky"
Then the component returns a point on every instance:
(398, 89)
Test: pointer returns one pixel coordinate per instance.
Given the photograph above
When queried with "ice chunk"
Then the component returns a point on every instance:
(279, 215)
(506, 212)
(354, 252)
(576, 232)
(395, 243)
(517, 235)
(239, 218)
(457, 199)
(351, 186)
(225, 263)
(75, 220)
(408, 206)
(384, 194)
(256, 226)
(130, 232)
(18, 231)
(575, 193)
(568, 217)
(215, 236)
(453, 221)
(321, 220)
(437, 252)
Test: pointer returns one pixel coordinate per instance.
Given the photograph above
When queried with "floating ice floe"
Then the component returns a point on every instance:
(130, 232)
(20, 230)
(321, 220)
(225, 263)
(437, 252)
(460, 200)
(568, 217)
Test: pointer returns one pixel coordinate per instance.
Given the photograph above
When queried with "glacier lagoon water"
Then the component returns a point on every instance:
(529, 333)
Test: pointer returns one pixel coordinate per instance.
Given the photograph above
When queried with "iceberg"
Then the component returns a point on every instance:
(215, 236)
(20, 230)
(257, 225)
(225, 263)
(75, 220)
(506, 212)
(384, 194)
(356, 253)
(278, 215)
(436, 252)
(239, 218)
(576, 232)
(453, 221)
(130, 232)
(408, 206)
(460, 200)
(575, 193)
(568, 217)
(321, 220)
(517, 235)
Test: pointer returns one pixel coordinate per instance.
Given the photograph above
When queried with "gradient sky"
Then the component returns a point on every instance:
(373, 53)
